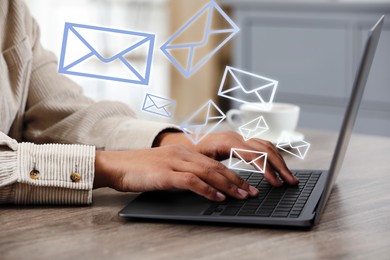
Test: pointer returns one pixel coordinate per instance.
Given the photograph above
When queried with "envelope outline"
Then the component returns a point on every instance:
(233, 166)
(299, 150)
(160, 103)
(142, 79)
(224, 93)
(187, 126)
(189, 70)
(246, 127)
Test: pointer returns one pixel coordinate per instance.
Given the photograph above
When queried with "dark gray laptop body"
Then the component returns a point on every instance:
(187, 206)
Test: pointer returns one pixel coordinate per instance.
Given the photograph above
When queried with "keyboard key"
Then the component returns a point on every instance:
(280, 214)
(218, 210)
(296, 211)
(208, 212)
(253, 201)
(267, 207)
(283, 210)
(290, 197)
(292, 192)
(229, 212)
(264, 213)
(246, 214)
(249, 209)
(237, 203)
(246, 211)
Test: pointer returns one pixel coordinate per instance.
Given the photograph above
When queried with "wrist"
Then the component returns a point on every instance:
(172, 138)
(99, 181)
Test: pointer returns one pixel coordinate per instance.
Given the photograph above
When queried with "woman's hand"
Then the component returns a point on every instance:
(169, 167)
(218, 146)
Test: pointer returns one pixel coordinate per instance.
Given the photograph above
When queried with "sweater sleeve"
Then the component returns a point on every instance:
(54, 165)
(56, 128)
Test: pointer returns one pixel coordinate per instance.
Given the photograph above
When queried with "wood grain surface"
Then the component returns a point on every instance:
(355, 225)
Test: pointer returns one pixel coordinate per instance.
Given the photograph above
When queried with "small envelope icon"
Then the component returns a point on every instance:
(193, 53)
(259, 161)
(247, 87)
(105, 53)
(159, 105)
(297, 148)
(254, 128)
(211, 116)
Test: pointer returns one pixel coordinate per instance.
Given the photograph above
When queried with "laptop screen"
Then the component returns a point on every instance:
(352, 111)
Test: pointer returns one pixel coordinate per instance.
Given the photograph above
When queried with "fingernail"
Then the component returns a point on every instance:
(253, 190)
(220, 196)
(243, 194)
(296, 179)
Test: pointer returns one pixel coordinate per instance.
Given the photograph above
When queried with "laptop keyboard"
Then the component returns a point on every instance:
(283, 202)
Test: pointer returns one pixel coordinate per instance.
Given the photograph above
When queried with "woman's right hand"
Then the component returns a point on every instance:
(169, 167)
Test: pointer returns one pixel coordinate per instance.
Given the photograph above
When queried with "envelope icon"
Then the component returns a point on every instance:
(188, 56)
(105, 53)
(254, 128)
(210, 115)
(297, 148)
(258, 160)
(247, 87)
(158, 105)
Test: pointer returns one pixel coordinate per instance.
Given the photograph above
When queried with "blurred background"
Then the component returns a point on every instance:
(312, 47)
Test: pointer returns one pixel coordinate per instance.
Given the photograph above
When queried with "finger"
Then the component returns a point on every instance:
(277, 162)
(268, 145)
(240, 182)
(269, 173)
(189, 181)
(261, 164)
(217, 175)
(272, 178)
(281, 167)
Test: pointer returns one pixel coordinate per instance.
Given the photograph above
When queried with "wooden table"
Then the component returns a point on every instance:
(355, 225)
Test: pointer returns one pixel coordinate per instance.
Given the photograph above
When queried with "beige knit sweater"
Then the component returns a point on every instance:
(59, 126)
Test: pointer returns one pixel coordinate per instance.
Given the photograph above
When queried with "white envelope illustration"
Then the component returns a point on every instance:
(254, 128)
(247, 87)
(159, 105)
(259, 161)
(211, 117)
(297, 148)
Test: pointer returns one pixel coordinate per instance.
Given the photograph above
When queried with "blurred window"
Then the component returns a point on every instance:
(139, 15)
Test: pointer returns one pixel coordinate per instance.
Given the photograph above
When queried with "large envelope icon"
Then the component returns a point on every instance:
(159, 105)
(193, 52)
(211, 116)
(84, 53)
(259, 160)
(297, 148)
(253, 128)
(247, 87)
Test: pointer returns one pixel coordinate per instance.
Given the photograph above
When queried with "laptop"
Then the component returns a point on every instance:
(290, 206)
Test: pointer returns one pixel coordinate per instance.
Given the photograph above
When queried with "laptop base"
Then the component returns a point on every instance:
(273, 207)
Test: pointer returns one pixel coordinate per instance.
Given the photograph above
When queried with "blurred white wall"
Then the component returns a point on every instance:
(139, 15)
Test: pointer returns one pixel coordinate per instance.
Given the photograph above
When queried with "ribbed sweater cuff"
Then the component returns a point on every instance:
(55, 163)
